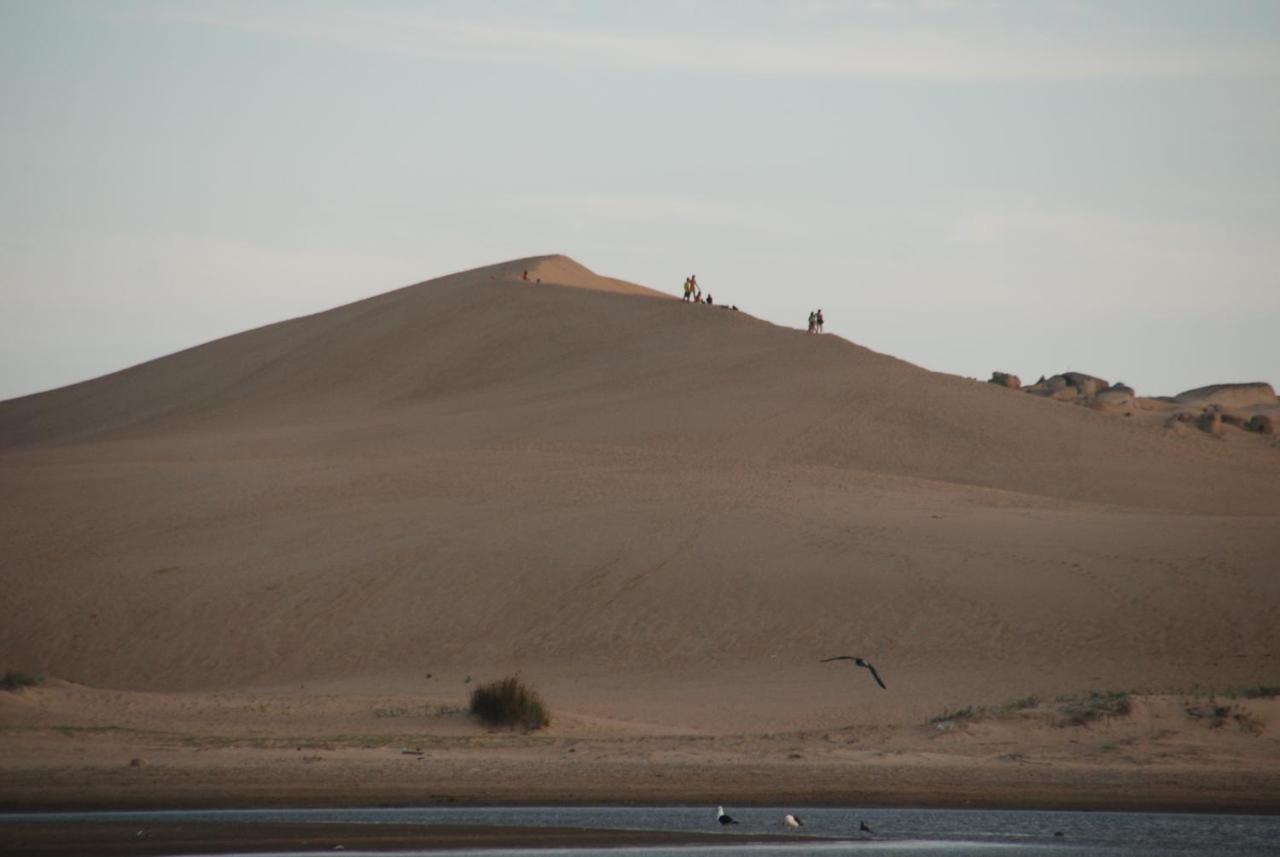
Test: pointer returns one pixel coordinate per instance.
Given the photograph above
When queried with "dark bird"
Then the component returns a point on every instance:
(861, 663)
(724, 818)
(862, 825)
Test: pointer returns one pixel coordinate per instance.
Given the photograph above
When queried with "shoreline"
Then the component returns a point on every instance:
(233, 752)
(67, 839)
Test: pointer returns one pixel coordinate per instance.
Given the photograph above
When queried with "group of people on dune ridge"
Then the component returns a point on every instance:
(693, 291)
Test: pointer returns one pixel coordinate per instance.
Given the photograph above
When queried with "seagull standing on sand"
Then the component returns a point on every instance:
(723, 818)
(792, 822)
(860, 663)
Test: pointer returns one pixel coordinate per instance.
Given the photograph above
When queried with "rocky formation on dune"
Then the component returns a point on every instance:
(1251, 407)
(1004, 379)
(1230, 395)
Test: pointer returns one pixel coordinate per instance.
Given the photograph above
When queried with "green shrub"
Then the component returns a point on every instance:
(16, 680)
(509, 703)
(1260, 691)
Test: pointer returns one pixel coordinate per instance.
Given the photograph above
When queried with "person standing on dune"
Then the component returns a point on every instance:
(817, 319)
(813, 321)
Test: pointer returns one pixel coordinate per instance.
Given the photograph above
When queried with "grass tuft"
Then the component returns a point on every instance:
(1215, 714)
(16, 681)
(1019, 704)
(960, 715)
(1096, 704)
(508, 702)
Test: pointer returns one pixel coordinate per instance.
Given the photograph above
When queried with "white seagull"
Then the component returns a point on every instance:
(723, 818)
(792, 822)
(858, 662)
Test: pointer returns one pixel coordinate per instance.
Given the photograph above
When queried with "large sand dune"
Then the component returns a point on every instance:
(661, 513)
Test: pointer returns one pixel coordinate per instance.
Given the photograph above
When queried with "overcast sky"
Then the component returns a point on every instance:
(1030, 187)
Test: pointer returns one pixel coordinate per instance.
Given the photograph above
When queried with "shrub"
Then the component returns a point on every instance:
(1020, 704)
(960, 715)
(1260, 691)
(16, 680)
(509, 703)
(1096, 704)
(1216, 714)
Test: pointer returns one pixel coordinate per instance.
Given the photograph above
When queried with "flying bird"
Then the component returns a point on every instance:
(861, 663)
(792, 822)
(723, 818)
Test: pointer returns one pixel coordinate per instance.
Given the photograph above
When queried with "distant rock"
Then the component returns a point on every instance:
(1232, 418)
(1230, 395)
(1211, 421)
(1088, 385)
(1004, 379)
(1262, 423)
(1048, 386)
(1068, 386)
(1117, 398)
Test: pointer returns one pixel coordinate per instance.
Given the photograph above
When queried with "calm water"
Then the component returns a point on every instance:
(972, 833)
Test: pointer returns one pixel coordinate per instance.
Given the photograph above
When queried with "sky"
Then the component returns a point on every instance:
(1031, 187)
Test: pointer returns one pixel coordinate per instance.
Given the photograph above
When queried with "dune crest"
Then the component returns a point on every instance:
(560, 270)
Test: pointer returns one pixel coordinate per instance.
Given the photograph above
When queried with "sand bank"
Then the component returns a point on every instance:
(36, 839)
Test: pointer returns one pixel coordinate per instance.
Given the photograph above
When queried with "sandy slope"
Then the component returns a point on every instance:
(663, 514)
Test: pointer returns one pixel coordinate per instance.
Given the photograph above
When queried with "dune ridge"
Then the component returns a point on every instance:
(727, 384)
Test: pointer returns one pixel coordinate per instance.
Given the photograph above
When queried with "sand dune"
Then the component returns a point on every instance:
(662, 513)
(470, 361)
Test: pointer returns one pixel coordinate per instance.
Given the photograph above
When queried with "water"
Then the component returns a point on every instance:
(970, 833)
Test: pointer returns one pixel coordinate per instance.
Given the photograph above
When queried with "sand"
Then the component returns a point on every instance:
(324, 532)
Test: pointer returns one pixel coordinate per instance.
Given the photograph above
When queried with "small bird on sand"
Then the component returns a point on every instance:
(862, 825)
(792, 822)
(723, 817)
(861, 663)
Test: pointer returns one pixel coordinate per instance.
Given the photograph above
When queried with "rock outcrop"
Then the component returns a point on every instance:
(1088, 385)
(1262, 423)
(1214, 409)
(1069, 386)
(1117, 399)
(1215, 418)
(1230, 395)
(1004, 379)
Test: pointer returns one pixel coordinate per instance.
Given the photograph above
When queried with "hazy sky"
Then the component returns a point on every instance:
(1031, 187)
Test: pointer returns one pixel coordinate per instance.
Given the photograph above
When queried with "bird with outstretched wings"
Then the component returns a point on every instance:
(860, 663)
